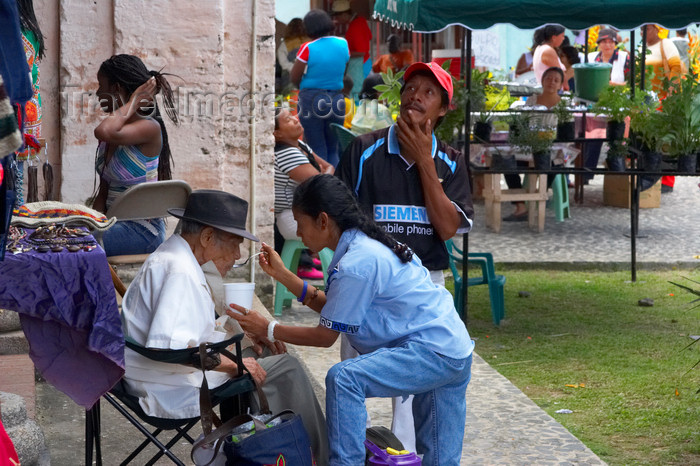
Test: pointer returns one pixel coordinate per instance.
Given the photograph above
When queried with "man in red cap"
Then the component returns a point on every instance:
(413, 185)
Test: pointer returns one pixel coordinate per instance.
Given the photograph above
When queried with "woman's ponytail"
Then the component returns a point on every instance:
(326, 193)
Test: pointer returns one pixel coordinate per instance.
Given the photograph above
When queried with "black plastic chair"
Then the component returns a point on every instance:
(237, 392)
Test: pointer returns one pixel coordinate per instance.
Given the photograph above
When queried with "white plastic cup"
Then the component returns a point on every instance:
(239, 293)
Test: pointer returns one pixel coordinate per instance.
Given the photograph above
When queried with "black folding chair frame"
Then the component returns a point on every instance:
(180, 426)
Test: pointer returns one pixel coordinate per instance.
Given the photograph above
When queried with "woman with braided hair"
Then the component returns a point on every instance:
(409, 337)
(133, 146)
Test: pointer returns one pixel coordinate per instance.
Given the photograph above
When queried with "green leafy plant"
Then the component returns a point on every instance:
(528, 134)
(562, 111)
(681, 115)
(646, 122)
(390, 91)
(615, 102)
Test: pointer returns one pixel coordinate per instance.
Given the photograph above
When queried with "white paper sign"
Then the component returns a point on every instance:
(487, 49)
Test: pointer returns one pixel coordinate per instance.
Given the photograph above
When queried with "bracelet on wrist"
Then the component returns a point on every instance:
(303, 292)
(314, 295)
(271, 331)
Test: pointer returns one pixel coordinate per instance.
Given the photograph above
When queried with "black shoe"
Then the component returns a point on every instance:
(666, 189)
(516, 218)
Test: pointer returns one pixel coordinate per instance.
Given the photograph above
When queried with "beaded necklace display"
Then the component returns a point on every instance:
(54, 237)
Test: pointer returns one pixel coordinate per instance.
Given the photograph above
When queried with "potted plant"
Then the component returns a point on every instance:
(566, 128)
(681, 114)
(486, 99)
(647, 125)
(533, 137)
(616, 103)
(617, 156)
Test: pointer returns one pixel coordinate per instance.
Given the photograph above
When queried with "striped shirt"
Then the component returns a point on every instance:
(287, 158)
(127, 167)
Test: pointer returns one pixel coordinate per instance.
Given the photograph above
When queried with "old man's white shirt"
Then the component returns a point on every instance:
(169, 305)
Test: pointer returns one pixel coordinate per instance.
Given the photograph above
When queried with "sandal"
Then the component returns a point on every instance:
(516, 218)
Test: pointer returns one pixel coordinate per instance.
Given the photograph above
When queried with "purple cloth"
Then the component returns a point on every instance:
(70, 317)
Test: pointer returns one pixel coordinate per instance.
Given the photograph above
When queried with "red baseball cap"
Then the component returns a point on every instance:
(442, 76)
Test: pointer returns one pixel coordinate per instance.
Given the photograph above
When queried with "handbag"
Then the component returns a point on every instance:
(255, 444)
(247, 440)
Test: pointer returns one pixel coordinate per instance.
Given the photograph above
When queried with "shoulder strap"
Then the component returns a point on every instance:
(217, 436)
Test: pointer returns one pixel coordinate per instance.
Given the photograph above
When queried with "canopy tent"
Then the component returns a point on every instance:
(435, 15)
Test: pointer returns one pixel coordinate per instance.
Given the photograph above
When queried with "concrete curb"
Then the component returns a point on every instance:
(26, 434)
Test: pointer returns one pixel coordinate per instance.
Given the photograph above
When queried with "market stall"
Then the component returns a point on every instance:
(435, 15)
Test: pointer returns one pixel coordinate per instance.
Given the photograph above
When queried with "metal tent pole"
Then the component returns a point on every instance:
(635, 181)
(467, 144)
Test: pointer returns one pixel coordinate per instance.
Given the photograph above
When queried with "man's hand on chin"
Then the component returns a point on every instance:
(415, 140)
(255, 370)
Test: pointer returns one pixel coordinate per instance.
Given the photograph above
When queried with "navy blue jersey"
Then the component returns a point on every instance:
(389, 190)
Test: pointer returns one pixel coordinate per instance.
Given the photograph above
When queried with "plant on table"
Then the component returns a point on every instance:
(615, 102)
(646, 122)
(616, 156)
(563, 111)
(529, 135)
(681, 114)
(566, 130)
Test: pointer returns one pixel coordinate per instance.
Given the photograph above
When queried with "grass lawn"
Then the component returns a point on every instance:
(633, 400)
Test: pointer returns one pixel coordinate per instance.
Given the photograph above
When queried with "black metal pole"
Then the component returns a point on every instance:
(585, 48)
(643, 60)
(467, 147)
(634, 179)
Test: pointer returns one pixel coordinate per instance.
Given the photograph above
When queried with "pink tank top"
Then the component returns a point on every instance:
(538, 67)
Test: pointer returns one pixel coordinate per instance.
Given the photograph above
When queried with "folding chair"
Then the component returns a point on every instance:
(140, 202)
(238, 390)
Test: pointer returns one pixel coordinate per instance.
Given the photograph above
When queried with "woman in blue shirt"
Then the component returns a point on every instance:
(409, 336)
(318, 73)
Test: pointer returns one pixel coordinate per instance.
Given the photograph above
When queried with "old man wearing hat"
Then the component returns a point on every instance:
(172, 304)
(413, 185)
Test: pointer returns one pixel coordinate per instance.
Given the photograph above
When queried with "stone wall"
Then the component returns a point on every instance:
(208, 45)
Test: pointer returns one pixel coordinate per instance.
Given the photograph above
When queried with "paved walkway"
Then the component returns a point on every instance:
(503, 425)
(595, 234)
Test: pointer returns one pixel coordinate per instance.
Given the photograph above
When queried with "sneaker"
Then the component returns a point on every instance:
(317, 262)
(309, 273)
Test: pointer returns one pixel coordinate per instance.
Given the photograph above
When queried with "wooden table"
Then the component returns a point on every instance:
(535, 193)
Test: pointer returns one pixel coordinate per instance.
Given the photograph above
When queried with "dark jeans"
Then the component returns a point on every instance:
(318, 108)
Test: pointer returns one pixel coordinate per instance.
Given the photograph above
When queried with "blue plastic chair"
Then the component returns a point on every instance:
(291, 252)
(488, 277)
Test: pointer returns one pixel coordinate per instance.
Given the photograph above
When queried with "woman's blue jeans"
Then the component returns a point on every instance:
(127, 237)
(318, 108)
(439, 384)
